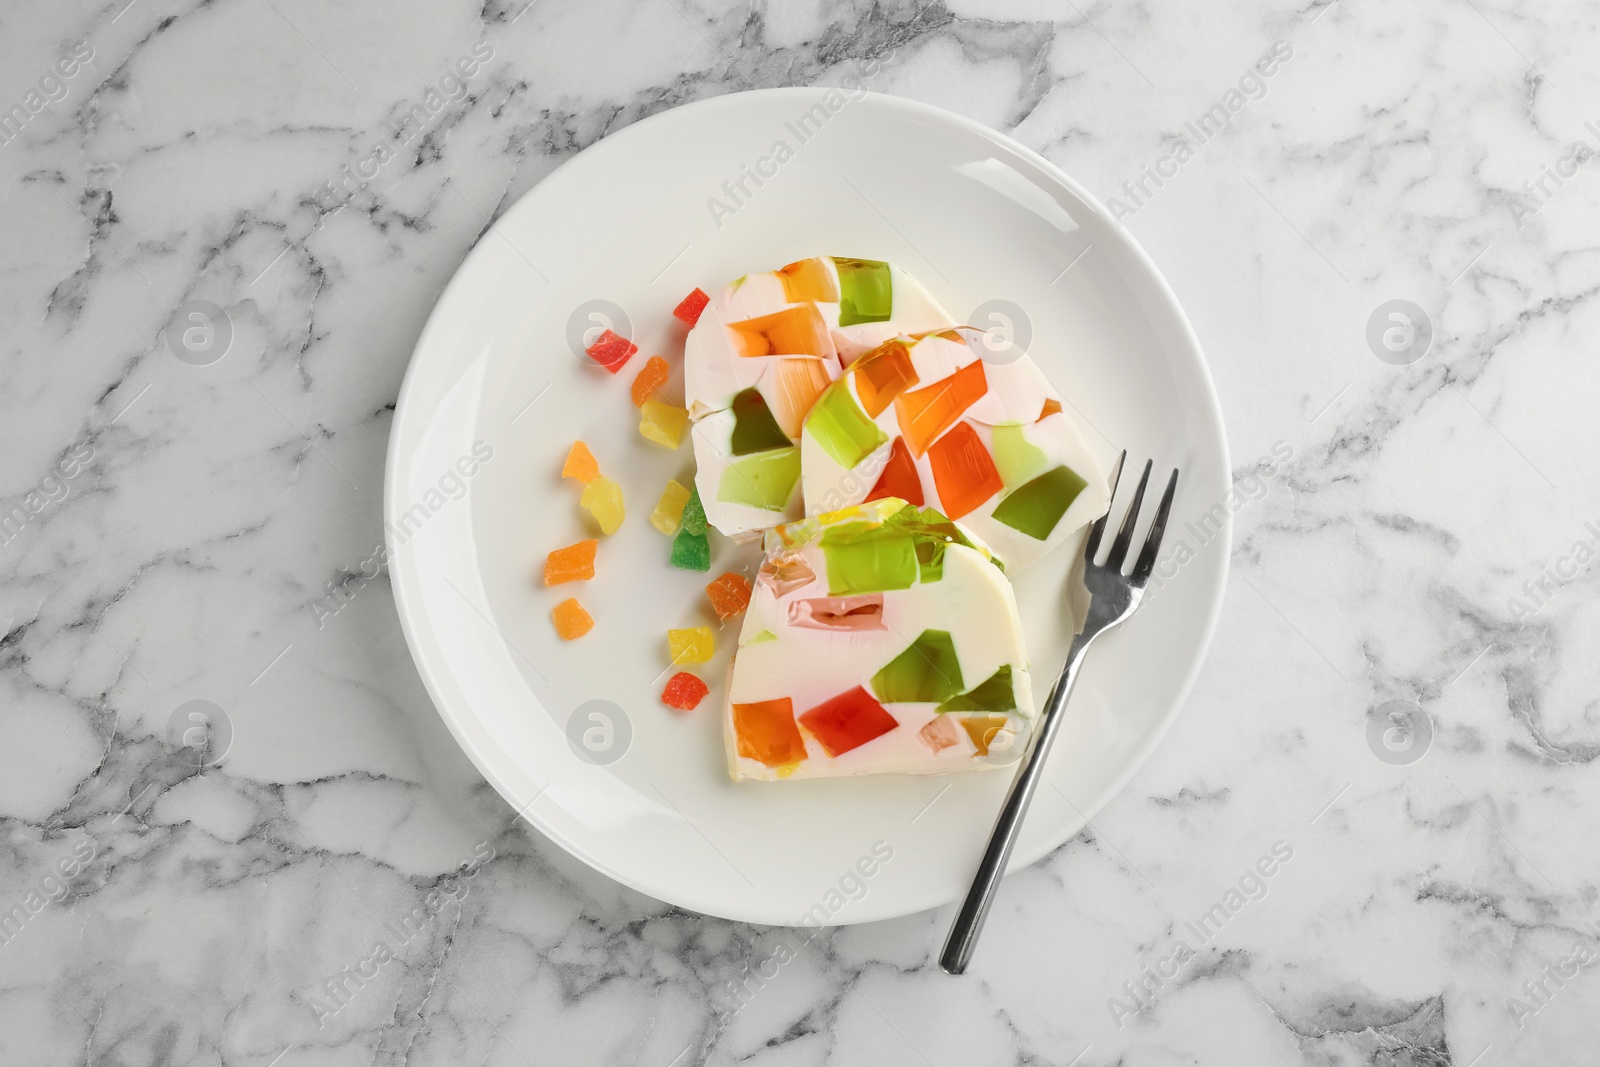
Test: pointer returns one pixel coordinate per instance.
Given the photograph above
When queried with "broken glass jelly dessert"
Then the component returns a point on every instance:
(869, 621)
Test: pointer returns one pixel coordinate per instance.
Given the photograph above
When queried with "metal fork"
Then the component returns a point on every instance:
(1114, 596)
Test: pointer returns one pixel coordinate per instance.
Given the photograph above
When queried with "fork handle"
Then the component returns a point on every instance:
(975, 909)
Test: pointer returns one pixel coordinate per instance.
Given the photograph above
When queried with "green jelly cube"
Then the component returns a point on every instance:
(841, 427)
(865, 292)
(761, 637)
(930, 560)
(764, 480)
(691, 551)
(754, 428)
(693, 518)
(926, 671)
(1035, 508)
(996, 693)
(1015, 457)
(878, 562)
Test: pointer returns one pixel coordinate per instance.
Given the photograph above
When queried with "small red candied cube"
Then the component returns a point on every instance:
(684, 692)
(848, 721)
(693, 304)
(611, 351)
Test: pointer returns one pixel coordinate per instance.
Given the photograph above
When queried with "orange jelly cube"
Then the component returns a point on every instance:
(1052, 406)
(580, 464)
(729, 595)
(928, 412)
(575, 563)
(651, 376)
(963, 471)
(792, 387)
(899, 477)
(809, 279)
(795, 331)
(571, 620)
(883, 374)
(767, 732)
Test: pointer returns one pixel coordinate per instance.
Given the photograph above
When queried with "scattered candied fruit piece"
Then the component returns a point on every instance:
(729, 595)
(694, 513)
(602, 498)
(662, 423)
(691, 551)
(575, 563)
(669, 509)
(684, 692)
(689, 309)
(693, 645)
(580, 464)
(611, 351)
(571, 620)
(652, 376)
(767, 732)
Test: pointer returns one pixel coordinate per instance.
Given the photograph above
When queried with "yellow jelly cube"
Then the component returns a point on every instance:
(694, 645)
(662, 423)
(602, 498)
(669, 509)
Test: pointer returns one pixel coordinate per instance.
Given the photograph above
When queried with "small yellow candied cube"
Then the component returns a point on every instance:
(694, 645)
(602, 498)
(662, 423)
(669, 509)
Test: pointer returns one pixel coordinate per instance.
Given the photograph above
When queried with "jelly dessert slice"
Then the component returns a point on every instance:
(690, 307)
(1017, 459)
(754, 428)
(926, 413)
(995, 693)
(865, 292)
(763, 480)
(691, 551)
(883, 374)
(846, 613)
(571, 621)
(651, 376)
(684, 692)
(602, 498)
(842, 428)
(766, 731)
(695, 644)
(847, 721)
(662, 422)
(729, 595)
(899, 477)
(575, 563)
(809, 279)
(785, 572)
(1035, 508)
(795, 331)
(669, 508)
(963, 473)
(580, 464)
(877, 561)
(792, 387)
(927, 670)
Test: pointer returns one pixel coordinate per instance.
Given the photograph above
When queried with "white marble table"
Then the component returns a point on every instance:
(1424, 533)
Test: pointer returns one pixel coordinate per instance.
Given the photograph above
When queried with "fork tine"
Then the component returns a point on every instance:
(1119, 547)
(1093, 544)
(1158, 526)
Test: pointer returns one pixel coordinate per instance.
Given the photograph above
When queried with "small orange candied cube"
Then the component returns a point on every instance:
(575, 563)
(580, 464)
(652, 376)
(571, 620)
(729, 595)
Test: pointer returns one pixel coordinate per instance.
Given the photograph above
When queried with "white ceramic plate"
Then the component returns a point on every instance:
(976, 217)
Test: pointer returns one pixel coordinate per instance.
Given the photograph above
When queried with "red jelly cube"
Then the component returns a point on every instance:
(611, 351)
(847, 721)
(689, 310)
(684, 692)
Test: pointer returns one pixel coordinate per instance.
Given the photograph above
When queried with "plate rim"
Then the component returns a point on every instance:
(405, 406)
